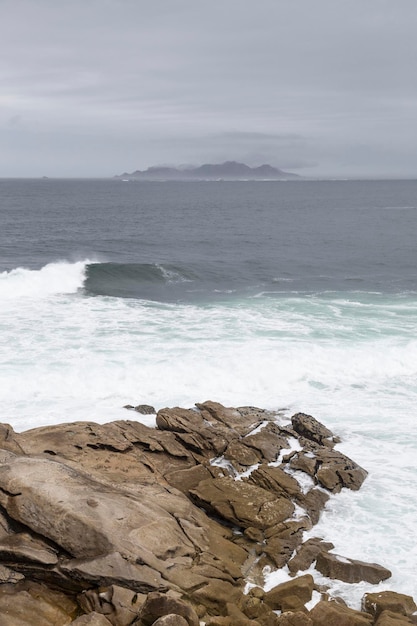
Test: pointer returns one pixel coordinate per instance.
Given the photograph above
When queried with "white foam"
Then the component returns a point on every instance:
(66, 357)
(54, 278)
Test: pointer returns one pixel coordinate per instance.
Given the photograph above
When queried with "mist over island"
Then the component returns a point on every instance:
(229, 170)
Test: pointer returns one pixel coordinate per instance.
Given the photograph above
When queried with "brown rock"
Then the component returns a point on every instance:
(21, 547)
(335, 614)
(158, 604)
(171, 620)
(307, 553)
(32, 604)
(309, 427)
(269, 441)
(350, 570)
(92, 619)
(390, 618)
(119, 605)
(145, 409)
(301, 588)
(294, 618)
(276, 480)
(332, 469)
(241, 503)
(9, 576)
(375, 603)
(114, 569)
(313, 502)
(241, 420)
(216, 594)
(241, 455)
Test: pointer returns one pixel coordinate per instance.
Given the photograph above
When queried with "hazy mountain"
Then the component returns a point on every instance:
(230, 170)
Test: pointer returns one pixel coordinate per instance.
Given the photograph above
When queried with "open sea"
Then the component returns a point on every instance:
(286, 295)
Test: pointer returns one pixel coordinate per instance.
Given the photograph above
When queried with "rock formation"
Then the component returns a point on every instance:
(124, 524)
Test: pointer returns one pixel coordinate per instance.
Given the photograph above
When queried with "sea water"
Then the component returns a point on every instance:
(292, 296)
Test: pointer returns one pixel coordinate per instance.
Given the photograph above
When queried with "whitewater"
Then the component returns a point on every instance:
(82, 335)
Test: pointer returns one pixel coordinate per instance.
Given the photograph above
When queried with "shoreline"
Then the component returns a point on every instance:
(198, 509)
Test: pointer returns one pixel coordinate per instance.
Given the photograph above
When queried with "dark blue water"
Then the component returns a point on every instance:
(175, 241)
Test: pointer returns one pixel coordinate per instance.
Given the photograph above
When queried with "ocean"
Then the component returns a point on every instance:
(294, 296)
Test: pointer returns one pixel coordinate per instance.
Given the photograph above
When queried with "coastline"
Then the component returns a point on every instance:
(197, 510)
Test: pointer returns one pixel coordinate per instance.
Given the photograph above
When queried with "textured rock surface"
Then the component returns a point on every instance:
(350, 570)
(400, 603)
(124, 524)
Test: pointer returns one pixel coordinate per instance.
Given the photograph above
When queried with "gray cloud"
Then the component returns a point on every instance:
(95, 87)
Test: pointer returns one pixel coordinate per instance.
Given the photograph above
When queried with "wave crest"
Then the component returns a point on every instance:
(61, 277)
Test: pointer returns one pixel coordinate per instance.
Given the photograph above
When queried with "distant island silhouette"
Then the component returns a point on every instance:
(230, 170)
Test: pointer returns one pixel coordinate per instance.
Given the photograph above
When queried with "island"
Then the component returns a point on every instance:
(229, 170)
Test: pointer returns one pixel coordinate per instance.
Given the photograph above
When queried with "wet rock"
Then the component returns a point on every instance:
(276, 480)
(313, 502)
(145, 409)
(268, 441)
(308, 427)
(375, 603)
(307, 553)
(331, 469)
(350, 570)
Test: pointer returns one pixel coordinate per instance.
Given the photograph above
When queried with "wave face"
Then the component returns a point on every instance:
(135, 280)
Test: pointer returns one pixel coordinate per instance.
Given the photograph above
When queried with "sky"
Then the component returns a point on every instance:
(322, 88)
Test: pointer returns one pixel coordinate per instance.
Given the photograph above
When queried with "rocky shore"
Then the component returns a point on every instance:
(121, 524)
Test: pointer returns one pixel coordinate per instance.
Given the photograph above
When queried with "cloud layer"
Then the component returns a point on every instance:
(96, 87)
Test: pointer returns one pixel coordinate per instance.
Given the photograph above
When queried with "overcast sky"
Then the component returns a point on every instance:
(99, 87)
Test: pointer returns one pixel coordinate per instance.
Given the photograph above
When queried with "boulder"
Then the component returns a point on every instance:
(241, 503)
(171, 620)
(268, 441)
(157, 605)
(390, 618)
(276, 480)
(241, 420)
(119, 605)
(32, 604)
(92, 619)
(294, 618)
(308, 427)
(335, 614)
(330, 468)
(350, 570)
(307, 553)
(300, 588)
(375, 603)
(144, 409)
(22, 547)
